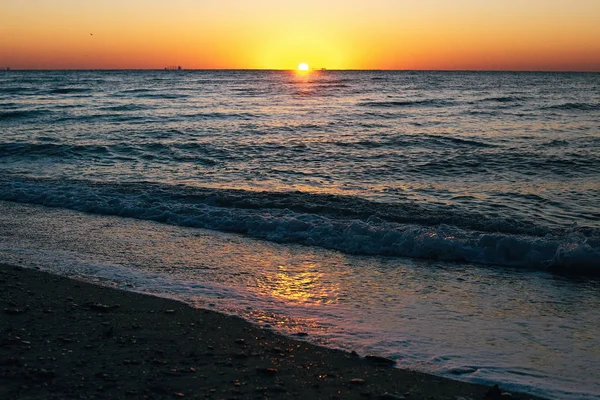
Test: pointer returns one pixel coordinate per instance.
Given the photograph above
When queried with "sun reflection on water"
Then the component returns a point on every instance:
(302, 283)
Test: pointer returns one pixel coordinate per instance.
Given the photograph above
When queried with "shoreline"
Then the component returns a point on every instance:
(62, 338)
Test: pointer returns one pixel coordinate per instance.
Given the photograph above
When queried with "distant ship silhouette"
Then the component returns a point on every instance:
(173, 68)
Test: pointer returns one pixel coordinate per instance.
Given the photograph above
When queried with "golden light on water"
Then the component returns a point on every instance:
(303, 283)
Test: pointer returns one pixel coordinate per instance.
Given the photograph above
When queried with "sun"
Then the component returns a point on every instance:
(303, 67)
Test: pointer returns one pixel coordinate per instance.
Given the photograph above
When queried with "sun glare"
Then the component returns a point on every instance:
(303, 67)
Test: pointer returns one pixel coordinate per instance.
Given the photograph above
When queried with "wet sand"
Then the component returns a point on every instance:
(65, 339)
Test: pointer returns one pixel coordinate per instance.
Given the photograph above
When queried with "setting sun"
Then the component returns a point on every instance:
(303, 67)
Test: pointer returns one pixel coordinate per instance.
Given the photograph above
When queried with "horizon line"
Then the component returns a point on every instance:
(10, 69)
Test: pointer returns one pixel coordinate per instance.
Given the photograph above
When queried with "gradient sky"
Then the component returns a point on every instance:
(336, 34)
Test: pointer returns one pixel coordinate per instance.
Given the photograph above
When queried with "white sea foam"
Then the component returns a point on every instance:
(354, 234)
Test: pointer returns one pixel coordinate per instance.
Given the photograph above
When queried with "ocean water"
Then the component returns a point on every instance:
(450, 220)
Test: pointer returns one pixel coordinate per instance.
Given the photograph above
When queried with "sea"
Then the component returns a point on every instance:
(447, 220)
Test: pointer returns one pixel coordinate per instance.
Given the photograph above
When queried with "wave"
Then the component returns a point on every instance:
(574, 106)
(35, 150)
(407, 103)
(18, 90)
(124, 107)
(251, 91)
(483, 112)
(459, 141)
(400, 141)
(502, 99)
(346, 224)
(332, 85)
(179, 152)
(73, 90)
(556, 143)
(323, 82)
(166, 96)
(546, 165)
(145, 93)
(134, 91)
(105, 116)
(378, 115)
(221, 115)
(19, 114)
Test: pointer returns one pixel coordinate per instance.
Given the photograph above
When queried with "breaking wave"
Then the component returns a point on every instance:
(341, 223)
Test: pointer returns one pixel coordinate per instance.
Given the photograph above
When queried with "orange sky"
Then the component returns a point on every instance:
(336, 34)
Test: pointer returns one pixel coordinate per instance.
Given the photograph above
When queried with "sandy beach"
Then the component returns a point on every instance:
(65, 339)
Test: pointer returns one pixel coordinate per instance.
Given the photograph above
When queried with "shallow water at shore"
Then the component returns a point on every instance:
(530, 331)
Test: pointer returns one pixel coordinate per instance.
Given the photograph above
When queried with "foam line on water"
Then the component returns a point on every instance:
(312, 225)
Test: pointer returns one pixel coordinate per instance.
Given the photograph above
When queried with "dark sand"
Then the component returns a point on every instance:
(64, 339)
